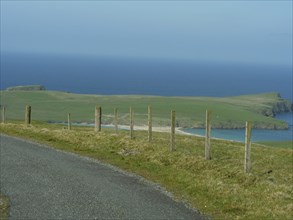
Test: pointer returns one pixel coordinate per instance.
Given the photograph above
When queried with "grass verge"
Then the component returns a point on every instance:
(4, 207)
(218, 188)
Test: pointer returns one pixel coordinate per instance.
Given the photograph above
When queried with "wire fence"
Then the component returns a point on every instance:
(132, 121)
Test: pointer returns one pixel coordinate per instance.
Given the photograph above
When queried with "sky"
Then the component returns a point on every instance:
(234, 31)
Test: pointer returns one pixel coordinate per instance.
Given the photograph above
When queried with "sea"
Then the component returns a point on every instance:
(258, 135)
(145, 76)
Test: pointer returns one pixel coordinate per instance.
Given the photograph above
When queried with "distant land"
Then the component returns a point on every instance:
(26, 88)
(227, 112)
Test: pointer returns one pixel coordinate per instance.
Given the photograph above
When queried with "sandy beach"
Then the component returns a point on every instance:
(155, 129)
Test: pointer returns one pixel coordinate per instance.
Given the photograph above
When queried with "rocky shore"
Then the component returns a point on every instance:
(281, 106)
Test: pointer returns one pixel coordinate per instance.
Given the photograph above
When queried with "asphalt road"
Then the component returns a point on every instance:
(43, 183)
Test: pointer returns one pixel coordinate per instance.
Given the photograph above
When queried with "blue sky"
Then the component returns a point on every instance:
(213, 31)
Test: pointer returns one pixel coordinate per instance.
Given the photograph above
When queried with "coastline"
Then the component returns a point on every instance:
(164, 129)
(228, 134)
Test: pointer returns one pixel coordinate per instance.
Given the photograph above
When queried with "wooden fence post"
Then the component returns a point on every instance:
(98, 118)
(116, 119)
(131, 112)
(3, 115)
(208, 155)
(28, 111)
(172, 144)
(69, 121)
(150, 123)
(248, 129)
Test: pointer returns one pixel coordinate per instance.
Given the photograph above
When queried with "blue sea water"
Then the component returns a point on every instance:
(113, 75)
(110, 75)
(257, 134)
(239, 134)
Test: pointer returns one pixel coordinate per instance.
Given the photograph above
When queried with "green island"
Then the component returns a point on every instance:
(26, 88)
(227, 112)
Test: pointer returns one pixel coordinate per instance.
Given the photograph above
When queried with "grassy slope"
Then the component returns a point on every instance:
(227, 112)
(218, 188)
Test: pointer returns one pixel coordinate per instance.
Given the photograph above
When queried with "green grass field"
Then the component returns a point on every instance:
(218, 188)
(229, 112)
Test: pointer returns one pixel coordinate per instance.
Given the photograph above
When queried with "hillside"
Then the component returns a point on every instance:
(228, 112)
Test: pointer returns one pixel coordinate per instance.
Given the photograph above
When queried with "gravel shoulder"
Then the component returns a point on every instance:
(44, 183)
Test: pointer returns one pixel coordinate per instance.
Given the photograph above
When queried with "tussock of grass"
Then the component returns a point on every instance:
(218, 188)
